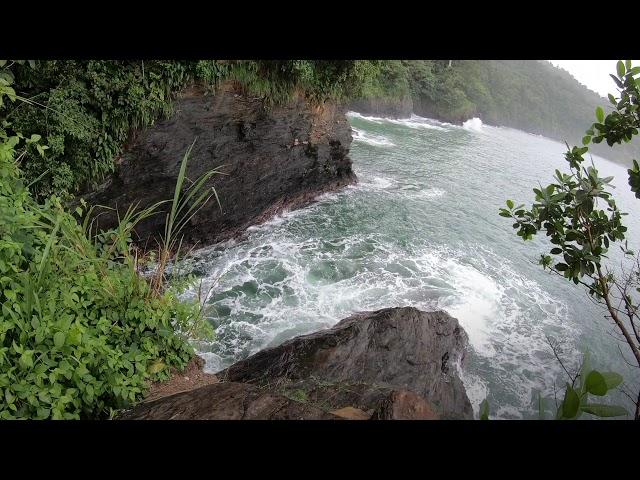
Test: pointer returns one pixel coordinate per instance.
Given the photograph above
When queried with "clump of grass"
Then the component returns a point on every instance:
(186, 203)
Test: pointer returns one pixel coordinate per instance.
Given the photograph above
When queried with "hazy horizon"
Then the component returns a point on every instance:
(593, 74)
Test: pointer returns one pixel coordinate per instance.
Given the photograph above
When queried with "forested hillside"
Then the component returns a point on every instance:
(529, 95)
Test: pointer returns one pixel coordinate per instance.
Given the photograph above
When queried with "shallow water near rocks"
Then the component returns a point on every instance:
(421, 228)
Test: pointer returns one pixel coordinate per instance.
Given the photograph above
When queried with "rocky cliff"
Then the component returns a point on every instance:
(274, 158)
(403, 108)
(395, 363)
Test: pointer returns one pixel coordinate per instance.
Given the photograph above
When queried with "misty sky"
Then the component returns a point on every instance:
(592, 73)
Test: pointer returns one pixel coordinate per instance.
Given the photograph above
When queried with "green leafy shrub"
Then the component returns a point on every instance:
(577, 396)
(387, 80)
(579, 215)
(577, 401)
(81, 331)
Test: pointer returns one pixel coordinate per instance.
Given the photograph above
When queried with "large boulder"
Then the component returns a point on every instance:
(273, 158)
(363, 358)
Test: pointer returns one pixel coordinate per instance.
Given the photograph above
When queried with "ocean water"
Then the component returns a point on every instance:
(421, 228)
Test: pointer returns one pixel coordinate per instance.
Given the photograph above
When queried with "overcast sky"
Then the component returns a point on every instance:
(592, 73)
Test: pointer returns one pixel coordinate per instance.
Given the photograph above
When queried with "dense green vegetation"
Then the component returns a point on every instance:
(579, 215)
(81, 331)
(533, 96)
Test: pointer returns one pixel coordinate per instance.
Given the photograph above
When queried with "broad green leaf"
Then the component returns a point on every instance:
(571, 403)
(58, 339)
(620, 68)
(510, 204)
(596, 383)
(585, 368)
(612, 379)
(26, 359)
(601, 410)
(484, 410)
(156, 367)
(600, 114)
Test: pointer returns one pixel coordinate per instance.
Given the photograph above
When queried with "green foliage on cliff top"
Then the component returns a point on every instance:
(87, 110)
(386, 79)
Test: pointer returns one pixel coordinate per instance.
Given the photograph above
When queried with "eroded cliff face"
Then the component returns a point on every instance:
(275, 158)
(404, 108)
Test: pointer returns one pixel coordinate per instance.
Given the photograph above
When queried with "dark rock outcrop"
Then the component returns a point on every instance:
(405, 107)
(390, 349)
(275, 158)
(227, 401)
(396, 363)
(382, 107)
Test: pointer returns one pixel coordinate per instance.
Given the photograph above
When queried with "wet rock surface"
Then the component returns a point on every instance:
(397, 348)
(227, 401)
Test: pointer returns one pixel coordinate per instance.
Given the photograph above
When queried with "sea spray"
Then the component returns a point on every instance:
(473, 124)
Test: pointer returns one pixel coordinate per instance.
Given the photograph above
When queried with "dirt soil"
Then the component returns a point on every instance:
(191, 378)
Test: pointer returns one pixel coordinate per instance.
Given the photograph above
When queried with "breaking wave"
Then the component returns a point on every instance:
(474, 124)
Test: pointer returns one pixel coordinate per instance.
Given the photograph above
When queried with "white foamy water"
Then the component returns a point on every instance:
(366, 117)
(431, 193)
(419, 123)
(375, 140)
(474, 124)
(415, 121)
